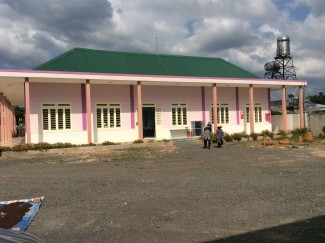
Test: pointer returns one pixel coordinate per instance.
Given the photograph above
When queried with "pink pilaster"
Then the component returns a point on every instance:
(7, 133)
(284, 110)
(251, 108)
(88, 111)
(2, 131)
(27, 111)
(14, 122)
(139, 105)
(301, 108)
(5, 122)
(214, 106)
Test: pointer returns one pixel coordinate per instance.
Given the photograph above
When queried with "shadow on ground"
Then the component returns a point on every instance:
(308, 230)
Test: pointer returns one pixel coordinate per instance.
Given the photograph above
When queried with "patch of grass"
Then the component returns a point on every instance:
(134, 154)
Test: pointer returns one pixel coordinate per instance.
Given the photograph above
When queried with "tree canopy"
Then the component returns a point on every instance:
(318, 99)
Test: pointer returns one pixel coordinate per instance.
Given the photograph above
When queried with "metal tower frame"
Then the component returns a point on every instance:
(287, 69)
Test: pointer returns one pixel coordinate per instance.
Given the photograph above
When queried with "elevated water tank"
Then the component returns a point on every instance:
(283, 47)
(272, 66)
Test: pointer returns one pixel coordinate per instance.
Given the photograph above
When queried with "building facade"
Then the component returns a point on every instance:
(89, 96)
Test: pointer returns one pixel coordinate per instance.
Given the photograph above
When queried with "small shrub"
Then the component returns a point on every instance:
(22, 147)
(228, 138)
(108, 143)
(41, 146)
(254, 136)
(237, 136)
(63, 145)
(267, 133)
(244, 135)
(323, 130)
(281, 132)
(299, 131)
(165, 140)
(213, 137)
(3, 148)
(138, 141)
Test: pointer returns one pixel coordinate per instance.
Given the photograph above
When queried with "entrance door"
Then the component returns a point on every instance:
(148, 119)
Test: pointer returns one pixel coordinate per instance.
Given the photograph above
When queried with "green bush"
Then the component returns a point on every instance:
(281, 132)
(41, 146)
(63, 145)
(4, 148)
(22, 147)
(237, 136)
(138, 141)
(109, 143)
(254, 136)
(228, 138)
(213, 137)
(299, 131)
(267, 133)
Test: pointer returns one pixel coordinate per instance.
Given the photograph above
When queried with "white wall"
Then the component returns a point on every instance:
(293, 122)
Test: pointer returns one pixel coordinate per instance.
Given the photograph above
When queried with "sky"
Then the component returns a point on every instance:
(243, 32)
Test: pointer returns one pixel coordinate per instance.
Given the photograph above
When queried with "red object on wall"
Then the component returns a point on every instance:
(267, 116)
(241, 116)
(189, 133)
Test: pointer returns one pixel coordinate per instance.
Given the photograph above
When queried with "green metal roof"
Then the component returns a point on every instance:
(99, 61)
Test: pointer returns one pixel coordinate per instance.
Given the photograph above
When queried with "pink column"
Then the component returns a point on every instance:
(139, 104)
(301, 108)
(27, 112)
(88, 110)
(2, 130)
(10, 121)
(251, 108)
(5, 121)
(14, 122)
(284, 110)
(214, 106)
(7, 126)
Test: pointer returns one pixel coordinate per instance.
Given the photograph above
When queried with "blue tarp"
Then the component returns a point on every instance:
(25, 221)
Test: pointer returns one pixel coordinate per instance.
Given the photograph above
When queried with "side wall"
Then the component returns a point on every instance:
(317, 123)
(292, 119)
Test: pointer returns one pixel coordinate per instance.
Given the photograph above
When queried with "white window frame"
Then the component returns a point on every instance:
(56, 117)
(179, 114)
(110, 116)
(222, 113)
(257, 113)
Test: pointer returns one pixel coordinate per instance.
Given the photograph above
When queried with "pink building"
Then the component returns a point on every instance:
(90, 96)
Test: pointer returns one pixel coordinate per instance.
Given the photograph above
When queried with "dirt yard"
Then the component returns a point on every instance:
(172, 193)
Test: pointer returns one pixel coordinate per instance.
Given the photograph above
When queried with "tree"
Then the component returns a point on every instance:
(20, 114)
(20, 120)
(318, 99)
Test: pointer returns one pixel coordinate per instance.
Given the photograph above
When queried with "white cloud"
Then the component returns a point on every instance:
(243, 32)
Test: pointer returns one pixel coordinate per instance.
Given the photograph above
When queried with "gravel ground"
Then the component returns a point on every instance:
(172, 193)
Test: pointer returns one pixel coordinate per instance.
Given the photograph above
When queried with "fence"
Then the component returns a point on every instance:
(313, 121)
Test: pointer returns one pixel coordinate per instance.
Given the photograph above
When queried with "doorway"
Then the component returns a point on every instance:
(149, 122)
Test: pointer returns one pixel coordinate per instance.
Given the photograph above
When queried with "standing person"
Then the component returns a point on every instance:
(220, 136)
(209, 126)
(207, 138)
